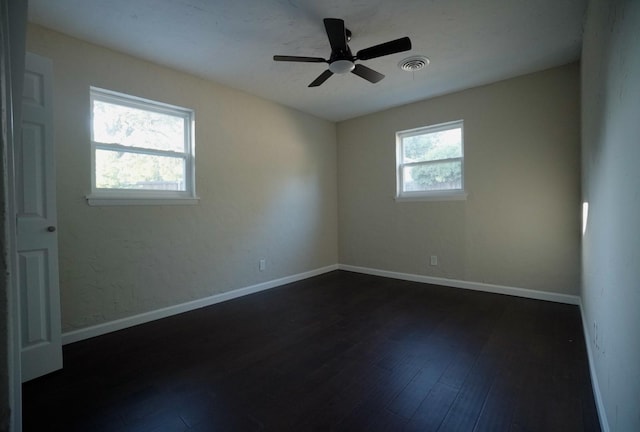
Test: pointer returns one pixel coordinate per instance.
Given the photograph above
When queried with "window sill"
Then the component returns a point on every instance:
(445, 196)
(95, 201)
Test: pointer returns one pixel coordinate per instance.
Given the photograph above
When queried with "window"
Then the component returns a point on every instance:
(142, 151)
(430, 162)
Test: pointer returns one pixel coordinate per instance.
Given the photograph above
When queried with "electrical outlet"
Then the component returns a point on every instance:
(434, 260)
(262, 264)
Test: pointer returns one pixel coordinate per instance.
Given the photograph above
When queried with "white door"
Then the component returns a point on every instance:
(36, 225)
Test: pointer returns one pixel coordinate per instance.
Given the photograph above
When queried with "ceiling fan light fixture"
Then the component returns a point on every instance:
(341, 66)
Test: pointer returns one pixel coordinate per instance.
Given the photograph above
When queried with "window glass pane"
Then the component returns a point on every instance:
(118, 124)
(432, 146)
(432, 177)
(123, 170)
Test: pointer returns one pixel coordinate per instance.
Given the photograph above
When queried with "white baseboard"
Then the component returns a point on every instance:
(122, 323)
(119, 324)
(477, 286)
(602, 415)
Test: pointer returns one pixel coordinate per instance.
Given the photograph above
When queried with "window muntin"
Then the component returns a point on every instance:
(430, 161)
(140, 148)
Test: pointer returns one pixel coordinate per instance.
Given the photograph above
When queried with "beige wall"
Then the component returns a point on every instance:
(265, 175)
(519, 226)
(611, 185)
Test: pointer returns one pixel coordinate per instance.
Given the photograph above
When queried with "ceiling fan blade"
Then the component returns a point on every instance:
(367, 73)
(336, 33)
(299, 59)
(322, 78)
(391, 47)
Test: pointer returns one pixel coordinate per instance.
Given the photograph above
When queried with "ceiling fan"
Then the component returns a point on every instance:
(342, 61)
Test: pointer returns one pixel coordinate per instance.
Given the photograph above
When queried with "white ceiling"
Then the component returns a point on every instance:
(469, 43)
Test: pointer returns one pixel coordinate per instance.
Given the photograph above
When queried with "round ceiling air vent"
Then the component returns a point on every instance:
(414, 63)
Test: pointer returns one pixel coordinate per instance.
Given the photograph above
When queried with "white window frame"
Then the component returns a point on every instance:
(433, 195)
(104, 196)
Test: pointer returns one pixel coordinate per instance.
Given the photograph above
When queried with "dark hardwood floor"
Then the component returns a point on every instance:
(341, 351)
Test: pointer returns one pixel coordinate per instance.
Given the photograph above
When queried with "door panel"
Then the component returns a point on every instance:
(36, 225)
(33, 164)
(35, 297)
